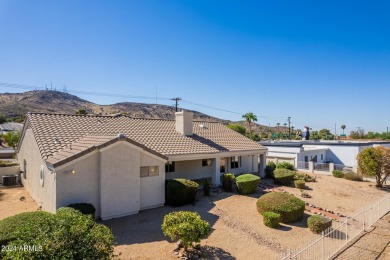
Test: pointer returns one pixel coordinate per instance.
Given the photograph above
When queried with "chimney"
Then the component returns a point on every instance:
(184, 122)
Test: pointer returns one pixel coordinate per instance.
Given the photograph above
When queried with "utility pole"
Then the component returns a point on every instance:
(289, 129)
(176, 99)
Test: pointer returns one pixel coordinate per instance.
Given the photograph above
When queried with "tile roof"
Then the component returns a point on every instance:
(61, 137)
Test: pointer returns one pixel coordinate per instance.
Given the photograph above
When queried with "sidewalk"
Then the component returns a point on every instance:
(374, 244)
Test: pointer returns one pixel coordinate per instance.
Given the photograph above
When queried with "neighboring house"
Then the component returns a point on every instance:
(120, 164)
(341, 153)
(10, 127)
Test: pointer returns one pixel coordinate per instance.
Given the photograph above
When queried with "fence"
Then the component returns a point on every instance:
(339, 167)
(303, 165)
(321, 167)
(333, 240)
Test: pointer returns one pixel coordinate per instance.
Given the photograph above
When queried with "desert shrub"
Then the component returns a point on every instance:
(288, 206)
(337, 174)
(304, 176)
(227, 181)
(285, 165)
(247, 183)
(299, 184)
(206, 187)
(283, 176)
(271, 219)
(317, 223)
(269, 170)
(180, 192)
(66, 235)
(353, 176)
(85, 208)
(185, 226)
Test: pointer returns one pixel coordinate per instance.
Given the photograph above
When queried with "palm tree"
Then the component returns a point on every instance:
(278, 124)
(285, 129)
(343, 127)
(250, 117)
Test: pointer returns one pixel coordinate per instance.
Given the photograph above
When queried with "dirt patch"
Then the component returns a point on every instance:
(14, 201)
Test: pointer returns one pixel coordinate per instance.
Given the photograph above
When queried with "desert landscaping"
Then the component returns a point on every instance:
(237, 229)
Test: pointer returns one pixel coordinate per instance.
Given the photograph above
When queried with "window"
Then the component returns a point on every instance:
(149, 171)
(170, 167)
(206, 162)
(322, 157)
(222, 165)
(41, 175)
(306, 158)
(25, 169)
(235, 162)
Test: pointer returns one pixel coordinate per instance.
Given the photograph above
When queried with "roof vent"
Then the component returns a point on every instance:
(56, 140)
(121, 136)
(203, 126)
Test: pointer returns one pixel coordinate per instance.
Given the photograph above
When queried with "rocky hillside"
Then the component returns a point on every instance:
(15, 104)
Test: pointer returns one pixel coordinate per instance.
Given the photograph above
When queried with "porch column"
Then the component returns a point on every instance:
(311, 167)
(216, 178)
(331, 167)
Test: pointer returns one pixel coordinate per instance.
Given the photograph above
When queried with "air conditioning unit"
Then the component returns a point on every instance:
(10, 180)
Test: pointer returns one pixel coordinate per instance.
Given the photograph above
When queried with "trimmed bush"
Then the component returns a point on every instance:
(271, 219)
(299, 184)
(227, 181)
(288, 206)
(185, 226)
(304, 176)
(66, 235)
(285, 165)
(269, 170)
(247, 183)
(180, 192)
(317, 223)
(206, 187)
(8, 164)
(337, 174)
(283, 176)
(353, 176)
(84, 208)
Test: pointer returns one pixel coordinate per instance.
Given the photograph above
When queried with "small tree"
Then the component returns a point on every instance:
(3, 118)
(185, 226)
(250, 117)
(81, 111)
(12, 138)
(238, 128)
(375, 161)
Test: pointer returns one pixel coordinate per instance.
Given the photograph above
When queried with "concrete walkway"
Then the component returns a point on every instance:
(374, 244)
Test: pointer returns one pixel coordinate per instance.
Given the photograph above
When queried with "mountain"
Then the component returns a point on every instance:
(13, 105)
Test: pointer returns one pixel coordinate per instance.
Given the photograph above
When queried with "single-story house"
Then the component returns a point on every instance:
(120, 164)
(341, 153)
(10, 127)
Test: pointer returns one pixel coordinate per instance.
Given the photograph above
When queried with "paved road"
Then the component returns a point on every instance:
(375, 244)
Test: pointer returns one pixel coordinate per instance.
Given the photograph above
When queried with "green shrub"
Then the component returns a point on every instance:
(185, 226)
(271, 219)
(66, 235)
(8, 164)
(299, 184)
(180, 192)
(247, 183)
(288, 206)
(283, 176)
(285, 165)
(84, 208)
(353, 176)
(317, 223)
(269, 170)
(206, 187)
(227, 181)
(337, 174)
(304, 176)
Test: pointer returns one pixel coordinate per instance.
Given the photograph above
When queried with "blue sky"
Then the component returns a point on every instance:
(320, 62)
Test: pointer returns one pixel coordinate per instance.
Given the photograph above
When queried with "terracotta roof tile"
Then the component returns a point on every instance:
(62, 136)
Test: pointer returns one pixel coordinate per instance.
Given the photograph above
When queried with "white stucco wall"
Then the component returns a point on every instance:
(152, 187)
(45, 195)
(83, 185)
(338, 154)
(120, 180)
